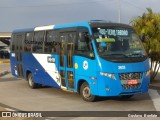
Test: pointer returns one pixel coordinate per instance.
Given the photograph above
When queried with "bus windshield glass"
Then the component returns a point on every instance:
(118, 44)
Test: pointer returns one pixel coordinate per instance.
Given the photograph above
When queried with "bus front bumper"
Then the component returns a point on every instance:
(110, 87)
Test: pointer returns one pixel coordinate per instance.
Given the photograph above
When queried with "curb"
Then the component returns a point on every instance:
(154, 87)
(2, 109)
(155, 99)
(3, 73)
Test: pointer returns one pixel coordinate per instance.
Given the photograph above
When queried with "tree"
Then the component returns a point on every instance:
(147, 27)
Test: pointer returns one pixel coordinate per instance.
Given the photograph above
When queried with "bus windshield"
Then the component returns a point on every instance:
(118, 44)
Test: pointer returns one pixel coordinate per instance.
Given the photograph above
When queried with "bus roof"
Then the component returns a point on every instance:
(92, 23)
(100, 24)
(49, 27)
(23, 30)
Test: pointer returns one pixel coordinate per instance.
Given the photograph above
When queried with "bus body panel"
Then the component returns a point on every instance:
(73, 25)
(13, 64)
(111, 87)
(112, 67)
(85, 69)
(43, 72)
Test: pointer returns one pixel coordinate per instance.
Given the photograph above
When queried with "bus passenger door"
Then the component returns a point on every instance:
(62, 58)
(18, 55)
(67, 60)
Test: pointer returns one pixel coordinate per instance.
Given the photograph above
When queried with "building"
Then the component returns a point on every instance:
(4, 44)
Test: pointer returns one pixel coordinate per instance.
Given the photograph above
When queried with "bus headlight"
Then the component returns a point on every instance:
(108, 75)
(148, 72)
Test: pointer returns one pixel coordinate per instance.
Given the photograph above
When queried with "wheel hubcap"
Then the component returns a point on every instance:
(86, 92)
(30, 81)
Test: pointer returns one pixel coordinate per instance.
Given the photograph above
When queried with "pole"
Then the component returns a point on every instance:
(119, 11)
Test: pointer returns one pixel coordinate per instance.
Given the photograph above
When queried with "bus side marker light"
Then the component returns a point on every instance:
(107, 89)
(93, 78)
(94, 83)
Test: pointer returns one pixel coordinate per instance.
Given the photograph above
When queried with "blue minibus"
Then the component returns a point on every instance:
(93, 58)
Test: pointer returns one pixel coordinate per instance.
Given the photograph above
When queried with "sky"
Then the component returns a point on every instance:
(17, 14)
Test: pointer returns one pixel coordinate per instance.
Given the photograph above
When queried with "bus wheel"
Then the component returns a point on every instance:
(31, 83)
(86, 92)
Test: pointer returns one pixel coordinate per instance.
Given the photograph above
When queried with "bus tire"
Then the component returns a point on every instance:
(86, 93)
(31, 84)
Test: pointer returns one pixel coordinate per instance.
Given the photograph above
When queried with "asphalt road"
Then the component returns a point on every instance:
(15, 93)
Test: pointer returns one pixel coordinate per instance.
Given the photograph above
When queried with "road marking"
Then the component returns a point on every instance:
(67, 90)
(155, 98)
(3, 73)
(9, 109)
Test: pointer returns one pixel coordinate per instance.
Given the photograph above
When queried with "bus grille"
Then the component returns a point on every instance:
(130, 76)
(124, 77)
(126, 86)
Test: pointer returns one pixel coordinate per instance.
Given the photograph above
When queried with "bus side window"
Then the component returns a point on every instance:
(84, 47)
(38, 42)
(13, 42)
(51, 42)
(27, 42)
(20, 39)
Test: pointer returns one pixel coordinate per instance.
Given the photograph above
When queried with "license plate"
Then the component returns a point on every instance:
(132, 82)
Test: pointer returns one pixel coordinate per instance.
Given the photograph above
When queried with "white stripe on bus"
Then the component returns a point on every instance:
(50, 68)
(49, 27)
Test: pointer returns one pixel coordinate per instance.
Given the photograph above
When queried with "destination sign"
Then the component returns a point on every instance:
(114, 32)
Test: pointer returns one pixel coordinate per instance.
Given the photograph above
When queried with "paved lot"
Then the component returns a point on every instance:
(16, 95)
(5, 67)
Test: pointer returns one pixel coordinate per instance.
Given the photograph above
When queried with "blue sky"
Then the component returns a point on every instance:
(30, 13)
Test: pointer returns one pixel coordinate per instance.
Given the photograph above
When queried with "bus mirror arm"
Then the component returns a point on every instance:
(91, 54)
(91, 37)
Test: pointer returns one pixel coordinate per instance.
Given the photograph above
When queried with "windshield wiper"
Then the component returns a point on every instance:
(116, 55)
(124, 55)
(135, 55)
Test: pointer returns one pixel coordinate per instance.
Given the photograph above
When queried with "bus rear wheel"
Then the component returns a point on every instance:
(31, 83)
(86, 93)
